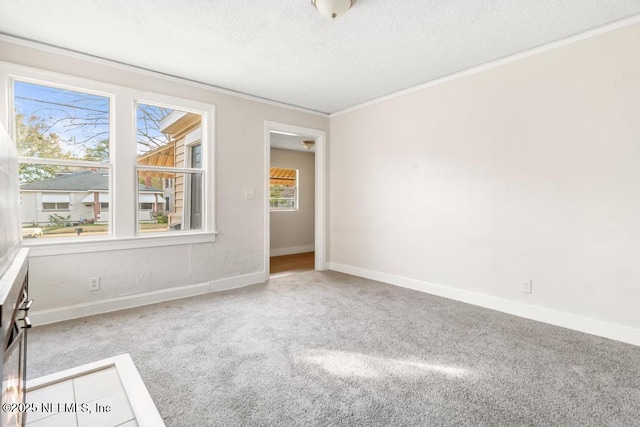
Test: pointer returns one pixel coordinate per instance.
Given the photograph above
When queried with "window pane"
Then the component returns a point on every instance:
(282, 197)
(57, 123)
(162, 136)
(169, 201)
(169, 138)
(283, 188)
(68, 204)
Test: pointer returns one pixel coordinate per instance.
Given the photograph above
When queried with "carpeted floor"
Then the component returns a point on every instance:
(324, 348)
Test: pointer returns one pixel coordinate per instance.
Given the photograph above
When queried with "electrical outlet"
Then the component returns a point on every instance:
(527, 286)
(94, 283)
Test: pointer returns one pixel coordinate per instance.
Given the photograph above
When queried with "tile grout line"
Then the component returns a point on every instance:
(75, 400)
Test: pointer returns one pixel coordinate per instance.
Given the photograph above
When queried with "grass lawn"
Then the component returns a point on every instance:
(86, 228)
(95, 229)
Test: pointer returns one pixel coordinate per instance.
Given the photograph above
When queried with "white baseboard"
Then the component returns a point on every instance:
(558, 318)
(236, 282)
(44, 317)
(292, 250)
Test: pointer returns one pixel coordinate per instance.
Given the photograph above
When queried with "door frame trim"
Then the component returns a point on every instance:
(320, 217)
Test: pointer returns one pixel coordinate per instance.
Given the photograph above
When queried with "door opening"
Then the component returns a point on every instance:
(295, 193)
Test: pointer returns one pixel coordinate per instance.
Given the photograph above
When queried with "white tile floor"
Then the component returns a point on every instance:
(100, 401)
(106, 393)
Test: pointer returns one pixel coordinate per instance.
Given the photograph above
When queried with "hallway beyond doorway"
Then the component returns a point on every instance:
(288, 264)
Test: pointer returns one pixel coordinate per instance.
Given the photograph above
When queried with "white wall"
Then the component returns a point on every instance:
(526, 171)
(29, 208)
(9, 201)
(61, 280)
(293, 231)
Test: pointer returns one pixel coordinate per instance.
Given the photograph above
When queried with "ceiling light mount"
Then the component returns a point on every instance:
(308, 144)
(332, 8)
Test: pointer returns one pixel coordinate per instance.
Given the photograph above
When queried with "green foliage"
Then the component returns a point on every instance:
(161, 218)
(33, 141)
(99, 153)
(275, 191)
(282, 196)
(56, 219)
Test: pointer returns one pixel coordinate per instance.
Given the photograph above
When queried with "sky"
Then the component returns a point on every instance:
(80, 119)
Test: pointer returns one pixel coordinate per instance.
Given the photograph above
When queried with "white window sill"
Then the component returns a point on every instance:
(69, 245)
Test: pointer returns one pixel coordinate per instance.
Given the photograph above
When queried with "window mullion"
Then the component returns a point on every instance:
(124, 193)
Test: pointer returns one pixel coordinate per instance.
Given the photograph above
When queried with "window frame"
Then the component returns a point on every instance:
(191, 139)
(56, 208)
(296, 198)
(123, 188)
(64, 83)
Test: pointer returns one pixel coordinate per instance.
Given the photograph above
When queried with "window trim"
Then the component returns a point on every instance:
(122, 164)
(192, 139)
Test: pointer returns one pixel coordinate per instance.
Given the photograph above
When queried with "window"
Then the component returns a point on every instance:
(55, 202)
(69, 143)
(283, 189)
(55, 206)
(62, 136)
(169, 166)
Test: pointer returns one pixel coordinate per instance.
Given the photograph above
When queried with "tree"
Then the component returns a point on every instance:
(148, 133)
(33, 142)
(81, 121)
(99, 153)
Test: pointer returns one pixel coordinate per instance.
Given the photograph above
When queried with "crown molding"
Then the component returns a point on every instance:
(45, 47)
(498, 62)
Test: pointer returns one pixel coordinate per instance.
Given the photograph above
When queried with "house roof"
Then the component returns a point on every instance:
(78, 181)
(282, 176)
(161, 156)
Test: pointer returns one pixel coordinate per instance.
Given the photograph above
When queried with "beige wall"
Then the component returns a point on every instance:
(293, 231)
(61, 280)
(528, 171)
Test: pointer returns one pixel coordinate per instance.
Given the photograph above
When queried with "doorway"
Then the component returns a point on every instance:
(295, 199)
(283, 265)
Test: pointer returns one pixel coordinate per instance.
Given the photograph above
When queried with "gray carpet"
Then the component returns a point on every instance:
(324, 348)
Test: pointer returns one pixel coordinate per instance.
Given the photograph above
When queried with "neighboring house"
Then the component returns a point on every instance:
(80, 196)
(182, 191)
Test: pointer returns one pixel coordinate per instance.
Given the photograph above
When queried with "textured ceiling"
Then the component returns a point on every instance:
(290, 142)
(284, 50)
